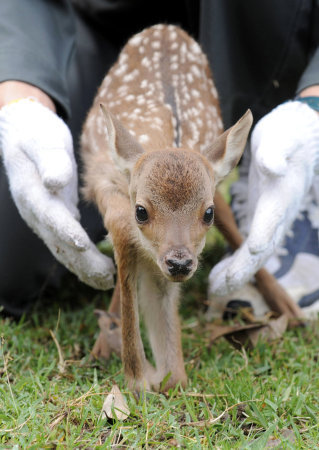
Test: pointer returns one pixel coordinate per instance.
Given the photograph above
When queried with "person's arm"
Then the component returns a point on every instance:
(11, 91)
(35, 143)
(37, 41)
(285, 158)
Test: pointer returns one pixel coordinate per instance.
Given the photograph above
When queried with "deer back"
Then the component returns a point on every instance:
(161, 90)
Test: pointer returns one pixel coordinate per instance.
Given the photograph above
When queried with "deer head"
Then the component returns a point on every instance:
(172, 192)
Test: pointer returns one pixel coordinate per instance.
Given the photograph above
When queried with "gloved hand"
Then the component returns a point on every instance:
(285, 158)
(37, 151)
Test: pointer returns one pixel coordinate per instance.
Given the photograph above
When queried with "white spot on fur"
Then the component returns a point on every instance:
(214, 92)
(131, 76)
(102, 92)
(144, 84)
(130, 98)
(191, 57)
(136, 40)
(121, 69)
(123, 89)
(146, 62)
(172, 35)
(195, 48)
(123, 57)
(143, 138)
(199, 121)
(140, 100)
(195, 93)
(195, 71)
(156, 57)
(189, 77)
(156, 44)
(158, 121)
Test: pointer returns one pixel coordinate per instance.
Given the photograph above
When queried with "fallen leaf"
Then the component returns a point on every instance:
(115, 406)
(286, 435)
(240, 335)
(274, 329)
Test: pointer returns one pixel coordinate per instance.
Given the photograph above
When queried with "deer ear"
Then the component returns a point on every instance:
(225, 152)
(125, 150)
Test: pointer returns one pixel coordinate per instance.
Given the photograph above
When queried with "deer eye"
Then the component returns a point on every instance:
(209, 215)
(141, 214)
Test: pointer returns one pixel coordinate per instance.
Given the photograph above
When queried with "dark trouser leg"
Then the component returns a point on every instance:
(26, 265)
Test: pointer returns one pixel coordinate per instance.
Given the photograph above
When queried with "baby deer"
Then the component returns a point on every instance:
(153, 155)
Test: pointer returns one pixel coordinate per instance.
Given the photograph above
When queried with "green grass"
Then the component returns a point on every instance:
(263, 392)
(276, 385)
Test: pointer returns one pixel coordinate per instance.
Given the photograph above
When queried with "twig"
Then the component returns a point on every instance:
(9, 430)
(202, 423)
(61, 363)
(5, 368)
(58, 419)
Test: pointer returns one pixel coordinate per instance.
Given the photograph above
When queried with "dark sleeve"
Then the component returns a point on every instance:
(310, 76)
(37, 40)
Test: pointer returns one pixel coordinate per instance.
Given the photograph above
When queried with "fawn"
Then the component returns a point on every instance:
(153, 152)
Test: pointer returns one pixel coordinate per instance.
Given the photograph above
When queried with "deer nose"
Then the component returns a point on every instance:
(179, 266)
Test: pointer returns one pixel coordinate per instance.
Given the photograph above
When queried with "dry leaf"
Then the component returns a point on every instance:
(115, 406)
(287, 435)
(274, 329)
(248, 334)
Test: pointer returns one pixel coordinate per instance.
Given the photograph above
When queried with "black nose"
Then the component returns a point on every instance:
(179, 266)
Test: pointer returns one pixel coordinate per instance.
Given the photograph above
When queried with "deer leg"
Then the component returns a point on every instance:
(159, 305)
(274, 294)
(115, 305)
(109, 339)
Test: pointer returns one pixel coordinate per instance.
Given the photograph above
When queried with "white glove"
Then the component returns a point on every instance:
(37, 152)
(285, 156)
